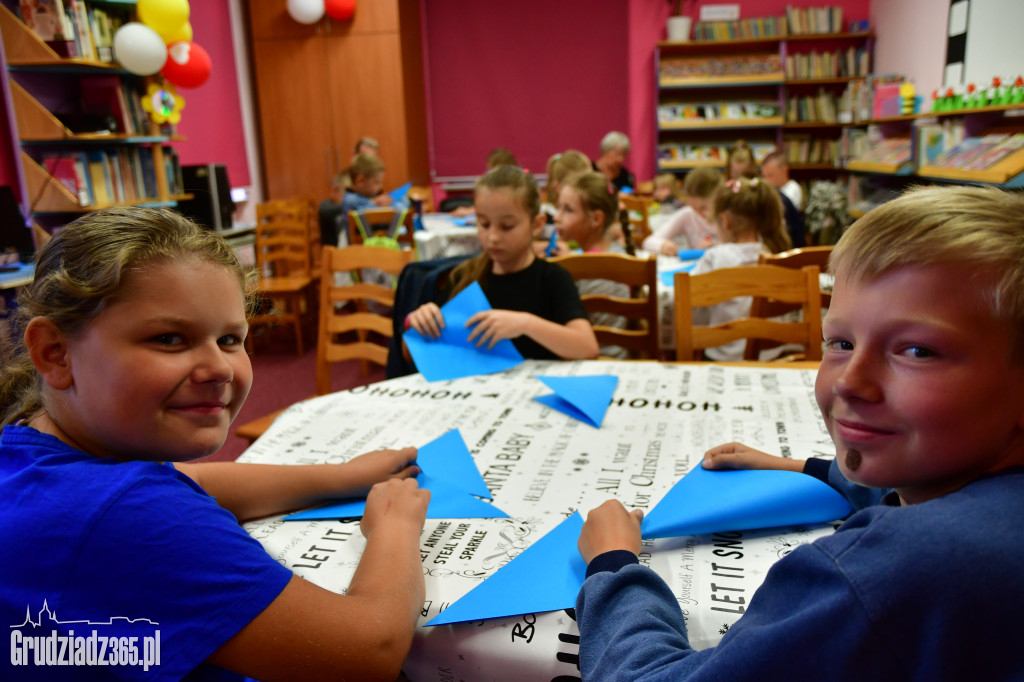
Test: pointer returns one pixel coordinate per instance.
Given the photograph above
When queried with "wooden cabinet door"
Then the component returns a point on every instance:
(270, 19)
(300, 154)
(365, 90)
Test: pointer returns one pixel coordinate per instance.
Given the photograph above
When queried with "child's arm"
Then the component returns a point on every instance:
(610, 528)
(310, 633)
(573, 340)
(251, 491)
(740, 456)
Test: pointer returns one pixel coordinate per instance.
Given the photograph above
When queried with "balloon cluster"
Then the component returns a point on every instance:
(312, 11)
(161, 41)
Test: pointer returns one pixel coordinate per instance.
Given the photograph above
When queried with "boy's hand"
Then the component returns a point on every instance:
(362, 472)
(384, 200)
(491, 326)
(427, 320)
(740, 456)
(669, 248)
(610, 527)
(395, 501)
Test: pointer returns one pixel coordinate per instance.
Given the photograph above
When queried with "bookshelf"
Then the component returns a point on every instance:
(769, 91)
(83, 140)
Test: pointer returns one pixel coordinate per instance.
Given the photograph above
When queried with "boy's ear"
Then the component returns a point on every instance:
(48, 348)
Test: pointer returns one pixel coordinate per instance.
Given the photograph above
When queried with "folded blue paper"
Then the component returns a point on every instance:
(706, 501)
(452, 355)
(585, 398)
(690, 254)
(546, 576)
(447, 471)
(400, 193)
(668, 275)
(549, 574)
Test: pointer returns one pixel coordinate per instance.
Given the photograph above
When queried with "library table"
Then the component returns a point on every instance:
(441, 236)
(540, 466)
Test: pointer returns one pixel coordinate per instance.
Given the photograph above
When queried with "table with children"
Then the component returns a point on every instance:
(540, 466)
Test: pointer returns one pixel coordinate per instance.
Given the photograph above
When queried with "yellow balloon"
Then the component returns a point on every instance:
(166, 17)
(182, 35)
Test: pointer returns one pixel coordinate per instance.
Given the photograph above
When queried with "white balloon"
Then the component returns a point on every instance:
(306, 11)
(139, 49)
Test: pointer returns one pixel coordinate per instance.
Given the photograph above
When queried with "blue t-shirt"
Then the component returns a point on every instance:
(99, 543)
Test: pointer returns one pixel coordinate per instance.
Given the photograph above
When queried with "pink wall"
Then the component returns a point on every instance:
(647, 27)
(920, 53)
(212, 119)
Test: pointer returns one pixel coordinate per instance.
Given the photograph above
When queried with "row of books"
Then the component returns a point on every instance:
(978, 153)
(893, 151)
(708, 151)
(931, 139)
(820, 108)
(107, 96)
(803, 20)
(74, 28)
(101, 177)
(807, 149)
(716, 111)
(716, 67)
(853, 61)
(743, 29)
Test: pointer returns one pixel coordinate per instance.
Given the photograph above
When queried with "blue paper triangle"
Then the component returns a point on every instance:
(546, 576)
(447, 471)
(585, 398)
(706, 501)
(452, 355)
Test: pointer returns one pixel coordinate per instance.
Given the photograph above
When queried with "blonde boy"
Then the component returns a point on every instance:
(367, 177)
(922, 390)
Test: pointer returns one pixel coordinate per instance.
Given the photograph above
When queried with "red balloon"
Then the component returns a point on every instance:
(342, 10)
(187, 66)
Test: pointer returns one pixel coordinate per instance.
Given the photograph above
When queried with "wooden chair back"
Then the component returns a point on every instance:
(287, 238)
(424, 196)
(377, 222)
(639, 216)
(767, 307)
(344, 334)
(767, 281)
(640, 337)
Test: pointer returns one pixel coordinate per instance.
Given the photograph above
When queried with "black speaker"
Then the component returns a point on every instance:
(211, 205)
(14, 232)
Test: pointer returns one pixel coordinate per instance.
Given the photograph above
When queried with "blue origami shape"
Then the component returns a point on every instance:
(546, 576)
(447, 470)
(452, 355)
(585, 398)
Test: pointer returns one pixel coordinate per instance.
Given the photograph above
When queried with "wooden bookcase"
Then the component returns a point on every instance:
(762, 88)
(41, 86)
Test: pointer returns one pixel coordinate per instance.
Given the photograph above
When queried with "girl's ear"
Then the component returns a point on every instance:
(48, 348)
(597, 219)
(538, 224)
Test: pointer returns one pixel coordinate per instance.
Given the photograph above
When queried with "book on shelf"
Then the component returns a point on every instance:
(743, 29)
(979, 153)
(104, 96)
(46, 18)
(929, 141)
(752, 65)
(893, 151)
(805, 20)
(708, 151)
(837, 64)
(99, 178)
(807, 149)
(819, 108)
(69, 169)
(697, 112)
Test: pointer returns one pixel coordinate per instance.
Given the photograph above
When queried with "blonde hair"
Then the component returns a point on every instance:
(81, 271)
(596, 194)
(981, 228)
(741, 153)
(667, 180)
(524, 188)
(702, 182)
(755, 205)
(365, 166)
(561, 166)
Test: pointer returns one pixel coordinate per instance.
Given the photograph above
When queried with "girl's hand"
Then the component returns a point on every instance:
(362, 472)
(740, 456)
(395, 501)
(610, 527)
(427, 320)
(492, 326)
(562, 248)
(669, 248)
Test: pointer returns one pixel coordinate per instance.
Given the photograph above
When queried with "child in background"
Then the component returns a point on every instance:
(561, 166)
(586, 213)
(739, 163)
(500, 156)
(534, 302)
(922, 390)
(691, 226)
(367, 175)
(666, 194)
(749, 218)
(133, 364)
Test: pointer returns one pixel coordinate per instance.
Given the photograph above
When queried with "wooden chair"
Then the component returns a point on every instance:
(639, 221)
(799, 258)
(640, 337)
(424, 196)
(284, 267)
(379, 220)
(335, 322)
(768, 281)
